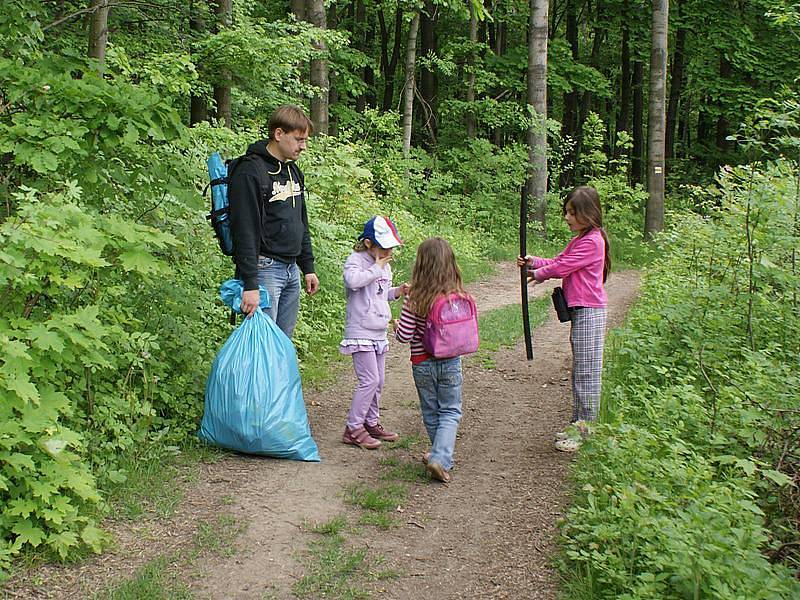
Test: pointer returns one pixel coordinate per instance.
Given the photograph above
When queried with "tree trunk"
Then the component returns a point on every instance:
(319, 70)
(408, 89)
(360, 41)
(569, 126)
(536, 184)
(298, 8)
(470, 98)
(654, 216)
(389, 66)
(222, 90)
(725, 69)
(98, 32)
(333, 92)
(675, 88)
(428, 83)
(594, 61)
(625, 80)
(198, 109)
(637, 160)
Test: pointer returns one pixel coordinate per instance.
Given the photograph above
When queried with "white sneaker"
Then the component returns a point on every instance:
(567, 445)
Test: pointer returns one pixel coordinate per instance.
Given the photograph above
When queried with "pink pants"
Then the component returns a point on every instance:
(369, 367)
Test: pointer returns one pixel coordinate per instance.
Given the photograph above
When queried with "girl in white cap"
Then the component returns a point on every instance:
(367, 282)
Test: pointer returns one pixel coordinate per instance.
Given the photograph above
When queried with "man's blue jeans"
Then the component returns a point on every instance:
(282, 281)
(439, 387)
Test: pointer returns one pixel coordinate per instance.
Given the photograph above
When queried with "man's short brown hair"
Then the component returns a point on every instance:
(289, 117)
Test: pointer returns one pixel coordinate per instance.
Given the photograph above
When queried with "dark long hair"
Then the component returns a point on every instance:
(585, 201)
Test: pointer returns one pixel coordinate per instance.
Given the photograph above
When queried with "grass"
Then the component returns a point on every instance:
(150, 474)
(502, 327)
(217, 537)
(406, 442)
(331, 566)
(152, 581)
(383, 499)
(156, 580)
(399, 470)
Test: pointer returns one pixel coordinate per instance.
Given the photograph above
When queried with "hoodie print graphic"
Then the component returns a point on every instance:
(284, 191)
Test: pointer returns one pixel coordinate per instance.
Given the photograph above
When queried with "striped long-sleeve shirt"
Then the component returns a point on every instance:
(410, 331)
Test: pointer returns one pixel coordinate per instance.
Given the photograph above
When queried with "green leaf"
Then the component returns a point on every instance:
(45, 339)
(777, 477)
(21, 507)
(94, 537)
(748, 466)
(62, 542)
(22, 387)
(44, 161)
(27, 533)
(139, 261)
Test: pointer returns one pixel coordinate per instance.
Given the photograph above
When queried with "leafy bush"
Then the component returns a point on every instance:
(692, 485)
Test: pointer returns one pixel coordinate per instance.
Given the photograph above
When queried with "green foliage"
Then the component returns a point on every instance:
(693, 481)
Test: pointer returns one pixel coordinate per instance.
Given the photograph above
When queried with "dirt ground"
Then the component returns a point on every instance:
(488, 534)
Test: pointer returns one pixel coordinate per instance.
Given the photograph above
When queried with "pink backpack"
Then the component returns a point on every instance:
(452, 326)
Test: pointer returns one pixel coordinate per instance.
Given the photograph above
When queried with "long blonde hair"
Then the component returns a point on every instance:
(435, 274)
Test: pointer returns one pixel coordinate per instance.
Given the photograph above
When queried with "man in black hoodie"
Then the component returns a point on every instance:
(269, 222)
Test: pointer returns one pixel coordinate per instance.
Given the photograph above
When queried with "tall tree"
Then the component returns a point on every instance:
(624, 110)
(222, 89)
(98, 31)
(198, 110)
(656, 124)
(298, 8)
(319, 69)
(676, 82)
(536, 184)
(389, 65)
(427, 89)
(470, 96)
(637, 127)
(408, 89)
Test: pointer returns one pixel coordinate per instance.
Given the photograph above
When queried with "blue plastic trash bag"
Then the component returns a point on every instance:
(254, 401)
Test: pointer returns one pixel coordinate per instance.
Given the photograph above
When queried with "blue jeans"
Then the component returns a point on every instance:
(282, 281)
(439, 387)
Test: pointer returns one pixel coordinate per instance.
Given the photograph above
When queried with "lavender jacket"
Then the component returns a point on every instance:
(368, 289)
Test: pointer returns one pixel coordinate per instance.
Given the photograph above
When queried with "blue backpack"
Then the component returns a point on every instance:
(220, 174)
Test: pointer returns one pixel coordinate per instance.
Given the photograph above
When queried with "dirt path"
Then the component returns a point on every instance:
(488, 534)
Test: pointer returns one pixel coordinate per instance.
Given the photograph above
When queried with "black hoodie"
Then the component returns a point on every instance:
(268, 213)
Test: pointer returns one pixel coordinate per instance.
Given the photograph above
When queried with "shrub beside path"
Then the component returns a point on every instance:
(488, 534)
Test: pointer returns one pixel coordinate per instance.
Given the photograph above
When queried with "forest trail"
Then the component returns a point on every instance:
(488, 534)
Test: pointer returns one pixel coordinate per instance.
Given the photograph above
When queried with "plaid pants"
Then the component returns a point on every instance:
(587, 337)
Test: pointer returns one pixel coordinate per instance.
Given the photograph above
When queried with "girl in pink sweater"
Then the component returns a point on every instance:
(583, 267)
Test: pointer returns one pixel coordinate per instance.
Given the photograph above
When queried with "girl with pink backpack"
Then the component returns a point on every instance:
(439, 321)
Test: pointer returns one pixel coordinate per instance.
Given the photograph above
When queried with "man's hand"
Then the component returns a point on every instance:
(312, 284)
(250, 301)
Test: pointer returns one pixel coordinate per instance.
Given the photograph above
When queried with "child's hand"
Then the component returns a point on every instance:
(395, 325)
(382, 261)
(527, 260)
(403, 290)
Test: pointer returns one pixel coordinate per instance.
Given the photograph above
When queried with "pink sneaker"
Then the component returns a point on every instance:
(359, 437)
(379, 433)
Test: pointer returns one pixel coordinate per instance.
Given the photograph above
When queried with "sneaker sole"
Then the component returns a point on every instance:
(362, 446)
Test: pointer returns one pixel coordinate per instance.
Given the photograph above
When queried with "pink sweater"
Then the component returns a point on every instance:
(580, 266)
